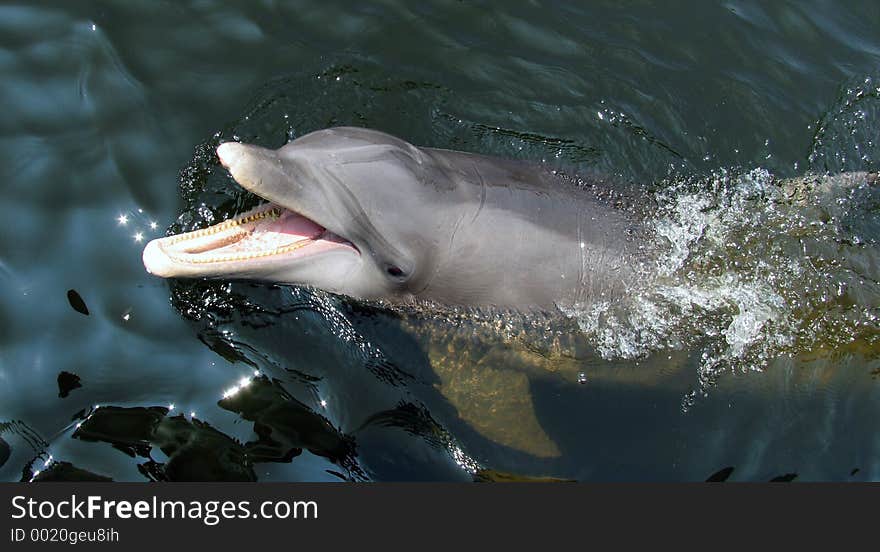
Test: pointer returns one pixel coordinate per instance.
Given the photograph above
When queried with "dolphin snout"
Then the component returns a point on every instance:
(157, 261)
(256, 169)
(230, 153)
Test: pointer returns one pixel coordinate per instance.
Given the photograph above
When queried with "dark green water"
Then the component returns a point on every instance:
(111, 111)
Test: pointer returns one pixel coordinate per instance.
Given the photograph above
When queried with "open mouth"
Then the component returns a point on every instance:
(261, 232)
(266, 234)
(252, 244)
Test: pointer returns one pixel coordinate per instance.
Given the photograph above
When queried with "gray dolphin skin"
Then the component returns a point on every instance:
(361, 213)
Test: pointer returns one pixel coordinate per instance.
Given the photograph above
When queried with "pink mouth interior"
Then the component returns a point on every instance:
(288, 229)
(270, 230)
(296, 225)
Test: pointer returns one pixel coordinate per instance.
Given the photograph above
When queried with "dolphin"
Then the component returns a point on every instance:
(362, 213)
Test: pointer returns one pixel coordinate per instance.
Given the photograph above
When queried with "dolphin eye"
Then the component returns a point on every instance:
(394, 271)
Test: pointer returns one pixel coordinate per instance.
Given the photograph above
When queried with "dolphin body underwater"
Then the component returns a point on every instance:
(364, 214)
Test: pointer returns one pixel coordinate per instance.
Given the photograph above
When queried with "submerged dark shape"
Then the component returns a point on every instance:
(785, 478)
(65, 471)
(67, 382)
(195, 450)
(130, 430)
(285, 426)
(5, 451)
(721, 475)
(77, 302)
(198, 452)
(364, 214)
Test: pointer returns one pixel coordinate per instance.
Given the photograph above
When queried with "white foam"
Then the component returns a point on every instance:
(745, 268)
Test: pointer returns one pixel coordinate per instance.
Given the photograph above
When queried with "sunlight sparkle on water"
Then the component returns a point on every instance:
(122, 219)
(139, 237)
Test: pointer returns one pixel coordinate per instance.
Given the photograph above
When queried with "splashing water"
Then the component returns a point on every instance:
(751, 268)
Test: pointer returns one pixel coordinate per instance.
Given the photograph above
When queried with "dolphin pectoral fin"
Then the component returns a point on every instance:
(496, 403)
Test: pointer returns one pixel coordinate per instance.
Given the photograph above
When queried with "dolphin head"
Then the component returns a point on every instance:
(348, 211)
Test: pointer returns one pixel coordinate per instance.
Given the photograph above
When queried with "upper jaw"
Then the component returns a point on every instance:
(230, 153)
(264, 173)
(260, 171)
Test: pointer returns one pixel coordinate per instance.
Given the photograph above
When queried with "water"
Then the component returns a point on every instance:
(755, 349)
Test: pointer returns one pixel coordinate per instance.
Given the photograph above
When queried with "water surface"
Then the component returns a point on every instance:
(111, 114)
